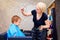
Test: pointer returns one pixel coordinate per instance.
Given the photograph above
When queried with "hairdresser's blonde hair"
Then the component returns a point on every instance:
(42, 6)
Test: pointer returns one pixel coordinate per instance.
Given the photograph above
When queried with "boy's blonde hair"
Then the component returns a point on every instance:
(15, 18)
(42, 6)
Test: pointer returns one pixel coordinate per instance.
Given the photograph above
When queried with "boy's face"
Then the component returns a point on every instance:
(18, 22)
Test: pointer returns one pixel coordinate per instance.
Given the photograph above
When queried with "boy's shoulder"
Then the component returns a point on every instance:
(12, 26)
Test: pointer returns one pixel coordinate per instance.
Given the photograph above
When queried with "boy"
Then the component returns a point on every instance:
(14, 30)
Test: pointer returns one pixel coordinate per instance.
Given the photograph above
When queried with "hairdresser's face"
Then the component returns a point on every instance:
(18, 22)
(38, 10)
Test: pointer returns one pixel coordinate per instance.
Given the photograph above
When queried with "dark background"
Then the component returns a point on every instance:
(58, 18)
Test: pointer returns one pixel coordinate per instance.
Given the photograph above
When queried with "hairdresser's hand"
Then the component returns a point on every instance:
(41, 28)
(22, 10)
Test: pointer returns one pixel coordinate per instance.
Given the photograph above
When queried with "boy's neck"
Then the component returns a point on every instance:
(15, 24)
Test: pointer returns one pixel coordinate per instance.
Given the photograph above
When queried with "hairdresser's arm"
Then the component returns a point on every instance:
(47, 22)
(25, 13)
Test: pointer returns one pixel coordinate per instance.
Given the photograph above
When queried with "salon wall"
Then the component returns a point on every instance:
(8, 8)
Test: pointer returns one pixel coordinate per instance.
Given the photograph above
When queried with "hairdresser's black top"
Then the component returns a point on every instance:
(39, 22)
